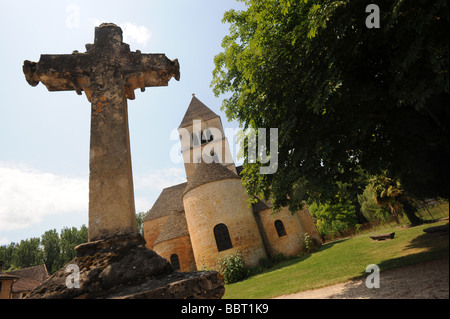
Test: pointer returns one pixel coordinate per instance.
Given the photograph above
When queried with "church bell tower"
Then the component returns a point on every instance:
(203, 138)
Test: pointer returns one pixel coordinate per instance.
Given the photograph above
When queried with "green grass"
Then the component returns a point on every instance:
(342, 260)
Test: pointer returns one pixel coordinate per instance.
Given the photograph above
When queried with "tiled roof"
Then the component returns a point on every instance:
(206, 173)
(239, 169)
(260, 205)
(25, 284)
(38, 273)
(197, 111)
(168, 201)
(176, 226)
(29, 278)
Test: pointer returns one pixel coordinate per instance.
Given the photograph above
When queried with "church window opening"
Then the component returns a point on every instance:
(175, 262)
(281, 231)
(214, 156)
(222, 237)
(203, 138)
(207, 136)
(195, 141)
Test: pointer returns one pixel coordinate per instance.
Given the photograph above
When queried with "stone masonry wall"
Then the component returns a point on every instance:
(217, 202)
(308, 225)
(292, 242)
(180, 246)
(152, 229)
(190, 155)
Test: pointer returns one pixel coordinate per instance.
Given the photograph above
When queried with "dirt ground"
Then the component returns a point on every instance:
(428, 280)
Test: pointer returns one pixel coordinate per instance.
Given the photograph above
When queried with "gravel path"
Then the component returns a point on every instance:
(429, 280)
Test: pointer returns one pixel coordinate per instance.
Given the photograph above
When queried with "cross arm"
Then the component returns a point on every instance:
(146, 70)
(59, 72)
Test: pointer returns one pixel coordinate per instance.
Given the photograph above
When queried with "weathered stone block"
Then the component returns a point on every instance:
(124, 268)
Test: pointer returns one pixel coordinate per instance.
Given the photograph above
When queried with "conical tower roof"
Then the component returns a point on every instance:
(197, 111)
(206, 173)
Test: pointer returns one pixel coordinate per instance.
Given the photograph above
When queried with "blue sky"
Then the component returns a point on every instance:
(44, 136)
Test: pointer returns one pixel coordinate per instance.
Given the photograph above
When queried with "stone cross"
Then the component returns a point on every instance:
(108, 72)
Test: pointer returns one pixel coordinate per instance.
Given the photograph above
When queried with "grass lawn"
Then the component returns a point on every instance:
(342, 260)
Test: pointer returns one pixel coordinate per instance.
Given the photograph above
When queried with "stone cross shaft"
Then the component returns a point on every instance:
(108, 72)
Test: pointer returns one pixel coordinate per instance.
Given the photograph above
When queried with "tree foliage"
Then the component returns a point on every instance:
(342, 96)
(370, 210)
(333, 218)
(389, 194)
(140, 222)
(52, 249)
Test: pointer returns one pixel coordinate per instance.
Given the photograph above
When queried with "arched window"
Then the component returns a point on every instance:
(175, 262)
(195, 141)
(222, 236)
(207, 136)
(204, 140)
(214, 156)
(280, 228)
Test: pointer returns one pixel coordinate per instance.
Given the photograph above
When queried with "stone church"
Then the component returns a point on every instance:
(195, 223)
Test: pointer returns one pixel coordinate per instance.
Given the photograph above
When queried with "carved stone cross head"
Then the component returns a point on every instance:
(108, 72)
(86, 71)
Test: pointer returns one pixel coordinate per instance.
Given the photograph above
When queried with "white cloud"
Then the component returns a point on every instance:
(137, 34)
(27, 196)
(132, 33)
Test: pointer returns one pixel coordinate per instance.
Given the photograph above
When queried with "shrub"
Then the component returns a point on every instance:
(309, 244)
(232, 268)
(278, 258)
(264, 263)
(333, 218)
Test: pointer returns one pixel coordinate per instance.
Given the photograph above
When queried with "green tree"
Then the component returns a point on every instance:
(333, 218)
(27, 253)
(6, 255)
(389, 194)
(341, 95)
(140, 222)
(51, 250)
(69, 239)
(369, 208)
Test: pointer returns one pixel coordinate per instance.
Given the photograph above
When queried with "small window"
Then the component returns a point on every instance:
(214, 156)
(204, 138)
(281, 231)
(195, 141)
(222, 236)
(175, 262)
(207, 136)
